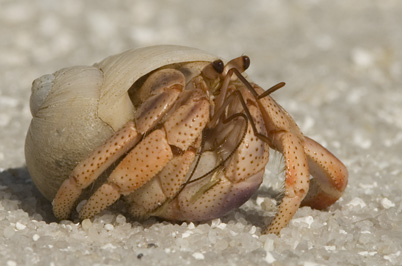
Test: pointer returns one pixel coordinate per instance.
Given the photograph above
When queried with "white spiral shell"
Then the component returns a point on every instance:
(78, 108)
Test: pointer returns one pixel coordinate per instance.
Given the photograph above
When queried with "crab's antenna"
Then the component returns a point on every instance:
(271, 90)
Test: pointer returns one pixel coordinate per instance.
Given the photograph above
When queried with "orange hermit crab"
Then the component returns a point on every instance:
(176, 131)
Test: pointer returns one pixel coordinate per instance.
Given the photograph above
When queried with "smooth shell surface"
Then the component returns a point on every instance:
(65, 126)
(77, 109)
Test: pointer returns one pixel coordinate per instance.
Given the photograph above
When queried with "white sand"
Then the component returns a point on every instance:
(342, 62)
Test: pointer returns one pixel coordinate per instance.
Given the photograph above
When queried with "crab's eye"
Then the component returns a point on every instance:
(246, 61)
(218, 66)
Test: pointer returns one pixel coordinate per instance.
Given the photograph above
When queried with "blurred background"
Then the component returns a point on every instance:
(341, 61)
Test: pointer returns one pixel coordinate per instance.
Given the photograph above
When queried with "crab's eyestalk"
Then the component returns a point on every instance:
(246, 62)
(213, 70)
(240, 63)
(218, 66)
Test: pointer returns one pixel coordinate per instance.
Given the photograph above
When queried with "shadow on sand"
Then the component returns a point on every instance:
(16, 185)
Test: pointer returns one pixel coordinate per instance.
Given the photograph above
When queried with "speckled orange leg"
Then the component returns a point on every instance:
(138, 167)
(89, 169)
(152, 154)
(330, 176)
(296, 180)
(162, 187)
(157, 94)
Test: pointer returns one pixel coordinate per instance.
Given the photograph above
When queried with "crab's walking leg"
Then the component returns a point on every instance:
(140, 165)
(286, 138)
(330, 176)
(89, 169)
(152, 154)
(296, 179)
(157, 95)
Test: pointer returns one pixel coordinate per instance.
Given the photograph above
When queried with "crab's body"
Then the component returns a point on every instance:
(190, 141)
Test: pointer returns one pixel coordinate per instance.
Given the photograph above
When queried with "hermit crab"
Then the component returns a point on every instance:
(174, 131)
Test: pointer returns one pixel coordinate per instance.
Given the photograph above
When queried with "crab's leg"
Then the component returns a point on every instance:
(285, 137)
(162, 187)
(157, 95)
(330, 176)
(89, 169)
(296, 179)
(140, 165)
(152, 154)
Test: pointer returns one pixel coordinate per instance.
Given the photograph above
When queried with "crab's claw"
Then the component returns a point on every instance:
(330, 176)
